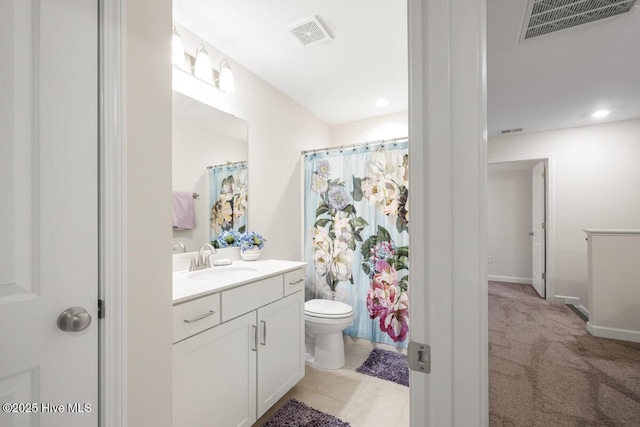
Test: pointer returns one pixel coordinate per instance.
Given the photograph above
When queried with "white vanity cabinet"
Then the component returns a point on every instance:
(230, 374)
(280, 349)
(214, 376)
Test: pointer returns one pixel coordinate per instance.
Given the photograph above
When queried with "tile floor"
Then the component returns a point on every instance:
(358, 399)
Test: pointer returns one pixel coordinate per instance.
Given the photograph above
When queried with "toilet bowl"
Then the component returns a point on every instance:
(324, 321)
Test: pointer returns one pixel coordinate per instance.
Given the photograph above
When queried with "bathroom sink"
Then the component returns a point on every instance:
(231, 272)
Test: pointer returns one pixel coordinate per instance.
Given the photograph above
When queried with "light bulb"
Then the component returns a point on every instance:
(202, 67)
(600, 114)
(177, 48)
(226, 82)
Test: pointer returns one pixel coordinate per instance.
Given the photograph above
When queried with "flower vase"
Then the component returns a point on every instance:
(250, 254)
(230, 252)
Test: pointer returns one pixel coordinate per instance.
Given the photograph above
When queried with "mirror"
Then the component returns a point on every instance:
(208, 141)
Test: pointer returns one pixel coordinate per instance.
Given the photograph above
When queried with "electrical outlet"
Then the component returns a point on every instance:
(490, 259)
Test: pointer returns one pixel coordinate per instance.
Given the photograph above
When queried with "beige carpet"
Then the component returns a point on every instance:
(545, 369)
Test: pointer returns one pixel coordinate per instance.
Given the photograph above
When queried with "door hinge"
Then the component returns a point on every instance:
(100, 309)
(544, 225)
(419, 356)
(544, 276)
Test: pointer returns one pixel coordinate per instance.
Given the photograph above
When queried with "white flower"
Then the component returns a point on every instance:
(373, 191)
(319, 183)
(321, 239)
(387, 166)
(341, 227)
(322, 260)
(342, 260)
(390, 205)
(241, 179)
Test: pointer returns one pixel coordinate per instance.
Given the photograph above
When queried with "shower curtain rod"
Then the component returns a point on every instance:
(227, 164)
(358, 144)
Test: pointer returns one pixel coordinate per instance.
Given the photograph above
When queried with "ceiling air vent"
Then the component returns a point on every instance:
(548, 16)
(309, 32)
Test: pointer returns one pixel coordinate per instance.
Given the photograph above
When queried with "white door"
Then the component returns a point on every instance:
(48, 211)
(538, 228)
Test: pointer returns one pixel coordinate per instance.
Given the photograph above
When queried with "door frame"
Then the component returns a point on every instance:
(461, 362)
(112, 222)
(550, 213)
(448, 197)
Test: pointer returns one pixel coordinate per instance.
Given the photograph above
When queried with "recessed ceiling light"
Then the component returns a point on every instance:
(382, 102)
(600, 114)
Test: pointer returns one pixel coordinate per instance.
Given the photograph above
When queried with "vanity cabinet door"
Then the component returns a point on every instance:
(214, 376)
(280, 349)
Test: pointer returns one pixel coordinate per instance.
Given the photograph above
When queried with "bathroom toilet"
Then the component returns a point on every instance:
(324, 321)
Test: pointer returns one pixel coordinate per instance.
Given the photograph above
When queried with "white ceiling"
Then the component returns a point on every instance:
(550, 82)
(557, 81)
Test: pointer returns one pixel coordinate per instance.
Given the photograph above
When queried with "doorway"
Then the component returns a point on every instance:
(520, 236)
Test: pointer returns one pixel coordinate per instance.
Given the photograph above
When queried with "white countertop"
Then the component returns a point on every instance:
(185, 289)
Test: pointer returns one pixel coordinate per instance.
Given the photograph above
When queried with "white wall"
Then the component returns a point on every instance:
(279, 129)
(382, 127)
(509, 203)
(614, 309)
(594, 174)
(148, 213)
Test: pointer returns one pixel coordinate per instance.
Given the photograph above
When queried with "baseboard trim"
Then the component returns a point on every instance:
(613, 333)
(509, 279)
(563, 299)
(584, 310)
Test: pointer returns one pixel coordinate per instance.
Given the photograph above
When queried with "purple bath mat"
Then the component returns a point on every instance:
(386, 365)
(297, 414)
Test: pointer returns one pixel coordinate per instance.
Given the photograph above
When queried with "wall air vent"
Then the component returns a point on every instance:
(548, 16)
(506, 131)
(309, 32)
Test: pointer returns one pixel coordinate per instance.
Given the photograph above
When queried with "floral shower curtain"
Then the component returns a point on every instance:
(357, 240)
(228, 198)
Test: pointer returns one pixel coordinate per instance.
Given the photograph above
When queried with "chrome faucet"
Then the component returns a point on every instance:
(179, 246)
(203, 262)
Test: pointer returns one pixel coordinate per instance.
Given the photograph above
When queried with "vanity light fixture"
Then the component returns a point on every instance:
(226, 82)
(202, 67)
(177, 48)
(600, 114)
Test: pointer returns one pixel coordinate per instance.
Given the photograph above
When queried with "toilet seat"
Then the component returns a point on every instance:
(327, 309)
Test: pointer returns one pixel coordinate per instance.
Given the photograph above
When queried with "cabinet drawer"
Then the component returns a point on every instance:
(195, 316)
(294, 281)
(246, 298)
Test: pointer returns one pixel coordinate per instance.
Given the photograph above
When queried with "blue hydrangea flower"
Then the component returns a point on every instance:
(228, 238)
(251, 239)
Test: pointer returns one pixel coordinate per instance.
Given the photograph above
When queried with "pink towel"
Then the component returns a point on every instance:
(182, 210)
